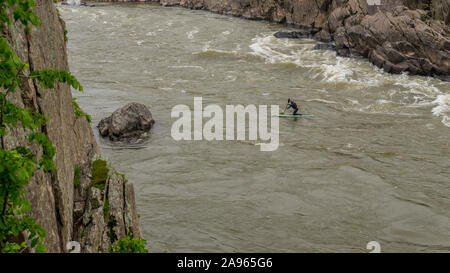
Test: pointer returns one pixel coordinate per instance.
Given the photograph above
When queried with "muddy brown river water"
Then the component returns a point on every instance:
(373, 164)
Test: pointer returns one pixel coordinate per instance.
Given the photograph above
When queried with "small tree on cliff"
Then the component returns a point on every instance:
(18, 164)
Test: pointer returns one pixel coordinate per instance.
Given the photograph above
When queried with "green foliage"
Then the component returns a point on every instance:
(11, 227)
(423, 17)
(48, 148)
(128, 244)
(22, 11)
(79, 112)
(13, 247)
(121, 175)
(47, 78)
(16, 168)
(99, 174)
(76, 177)
(10, 66)
(13, 115)
(106, 208)
(111, 233)
(62, 22)
(18, 165)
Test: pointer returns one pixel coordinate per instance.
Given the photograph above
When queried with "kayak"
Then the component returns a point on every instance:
(293, 116)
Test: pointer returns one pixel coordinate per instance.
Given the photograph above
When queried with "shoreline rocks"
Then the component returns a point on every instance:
(293, 35)
(324, 47)
(127, 123)
(398, 41)
(396, 35)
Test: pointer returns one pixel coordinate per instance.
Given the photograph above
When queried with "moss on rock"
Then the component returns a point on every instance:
(99, 174)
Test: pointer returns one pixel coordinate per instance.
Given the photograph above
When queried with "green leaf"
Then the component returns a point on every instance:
(34, 242)
(49, 150)
(79, 112)
(41, 249)
(47, 78)
(128, 244)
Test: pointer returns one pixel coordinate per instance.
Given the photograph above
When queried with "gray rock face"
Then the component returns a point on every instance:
(294, 34)
(107, 214)
(59, 207)
(440, 10)
(399, 40)
(51, 195)
(324, 47)
(128, 122)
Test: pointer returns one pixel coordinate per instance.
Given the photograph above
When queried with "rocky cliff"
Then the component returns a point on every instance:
(396, 35)
(64, 201)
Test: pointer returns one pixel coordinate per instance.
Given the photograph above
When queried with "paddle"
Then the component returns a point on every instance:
(282, 112)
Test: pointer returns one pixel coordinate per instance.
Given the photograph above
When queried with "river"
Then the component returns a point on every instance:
(371, 165)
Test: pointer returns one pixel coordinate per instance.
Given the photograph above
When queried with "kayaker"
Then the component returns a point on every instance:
(293, 105)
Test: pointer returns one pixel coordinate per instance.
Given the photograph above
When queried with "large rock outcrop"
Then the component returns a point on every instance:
(126, 123)
(294, 12)
(52, 196)
(397, 39)
(104, 214)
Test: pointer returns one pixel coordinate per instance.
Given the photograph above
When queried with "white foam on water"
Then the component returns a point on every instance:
(231, 78)
(262, 47)
(352, 101)
(442, 108)
(384, 101)
(425, 93)
(186, 66)
(421, 86)
(324, 64)
(322, 100)
(102, 12)
(73, 2)
(430, 126)
(73, 10)
(338, 72)
(190, 34)
(207, 48)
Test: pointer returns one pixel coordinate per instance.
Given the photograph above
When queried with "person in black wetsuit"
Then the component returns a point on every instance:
(293, 105)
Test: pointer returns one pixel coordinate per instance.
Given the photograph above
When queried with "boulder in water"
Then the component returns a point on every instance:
(324, 47)
(303, 34)
(127, 123)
